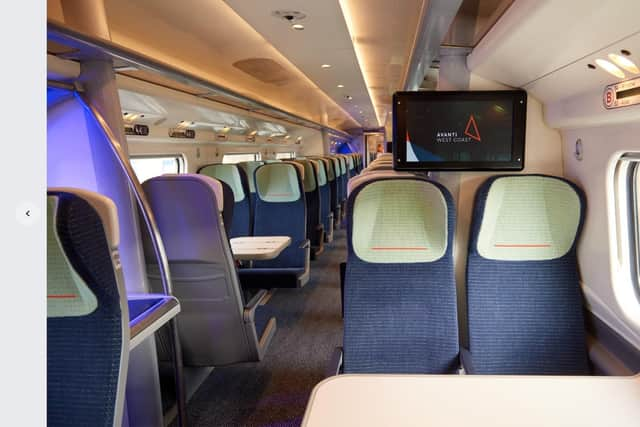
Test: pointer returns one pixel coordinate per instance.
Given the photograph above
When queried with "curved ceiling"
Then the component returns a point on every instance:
(239, 45)
(206, 38)
(367, 43)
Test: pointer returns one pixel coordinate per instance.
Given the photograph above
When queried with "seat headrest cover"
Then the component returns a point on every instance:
(363, 178)
(328, 168)
(384, 156)
(104, 207)
(299, 166)
(328, 164)
(336, 166)
(529, 218)
(229, 174)
(214, 184)
(278, 182)
(400, 221)
(67, 293)
(380, 166)
(343, 165)
(309, 176)
(321, 175)
(250, 168)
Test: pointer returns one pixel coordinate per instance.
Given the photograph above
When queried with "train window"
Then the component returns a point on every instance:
(635, 215)
(241, 157)
(286, 156)
(625, 250)
(147, 167)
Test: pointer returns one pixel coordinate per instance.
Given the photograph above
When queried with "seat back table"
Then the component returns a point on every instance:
(258, 247)
(474, 400)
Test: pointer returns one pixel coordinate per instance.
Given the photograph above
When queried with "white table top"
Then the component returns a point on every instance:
(474, 400)
(258, 247)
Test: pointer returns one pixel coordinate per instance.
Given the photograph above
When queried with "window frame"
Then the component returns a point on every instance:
(178, 157)
(257, 156)
(633, 184)
(624, 233)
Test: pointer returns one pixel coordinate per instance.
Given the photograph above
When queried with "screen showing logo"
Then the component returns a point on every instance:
(458, 131)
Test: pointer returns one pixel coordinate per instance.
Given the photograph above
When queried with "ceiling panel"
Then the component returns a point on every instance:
(367, 43)
(324, 40)
(206, 38)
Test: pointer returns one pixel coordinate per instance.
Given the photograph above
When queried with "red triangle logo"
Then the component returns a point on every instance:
(472, 129)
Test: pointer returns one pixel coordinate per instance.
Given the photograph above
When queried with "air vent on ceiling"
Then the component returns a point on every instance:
(264, 69)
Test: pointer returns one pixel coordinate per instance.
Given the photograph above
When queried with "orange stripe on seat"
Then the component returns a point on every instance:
(541, 245)
(381, 248)
(62, 296)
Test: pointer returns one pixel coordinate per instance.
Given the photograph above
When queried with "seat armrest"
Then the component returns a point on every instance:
(335, 363)
(467, 361)
(249, 312)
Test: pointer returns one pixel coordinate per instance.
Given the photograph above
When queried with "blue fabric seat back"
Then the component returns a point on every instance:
(236, 178)
(523, 290)
(334, 184)
(344, 178)
(400, 311)
(87, 313)
(312, 199)
(281, 211)
(213, 327)
(325, 193)
(249, 169)
(340, 180)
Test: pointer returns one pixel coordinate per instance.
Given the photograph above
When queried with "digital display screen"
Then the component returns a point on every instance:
(459, 130)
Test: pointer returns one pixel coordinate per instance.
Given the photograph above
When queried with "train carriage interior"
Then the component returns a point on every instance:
(333, 213)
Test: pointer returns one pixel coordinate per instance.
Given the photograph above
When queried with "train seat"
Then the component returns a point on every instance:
(400, 312)
(351, 166)
(326, 214)
(313, 198)
(329, 171)
(523, 290)
(87, 311)
(344, 178)
(236, 178)
(249, 169)
(217, 326)
(280, 211)
(336, 191)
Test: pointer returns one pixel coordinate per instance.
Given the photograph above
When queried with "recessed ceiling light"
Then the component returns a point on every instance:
(610, 68)
(298, 27)
(326, 65)
(348, 97)
(340, 86)
(624, 63)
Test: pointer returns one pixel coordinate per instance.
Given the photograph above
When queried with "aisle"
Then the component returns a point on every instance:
(275, 391)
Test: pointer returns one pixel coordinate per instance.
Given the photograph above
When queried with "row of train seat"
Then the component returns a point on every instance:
(311, 189)
(524, 302)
